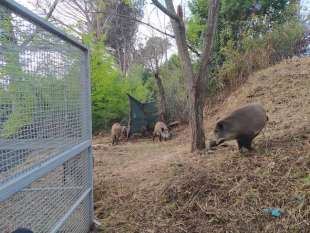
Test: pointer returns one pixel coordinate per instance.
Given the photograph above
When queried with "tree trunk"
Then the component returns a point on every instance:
(195, 102)
(201, 82)
(196, 84)
(162, 98)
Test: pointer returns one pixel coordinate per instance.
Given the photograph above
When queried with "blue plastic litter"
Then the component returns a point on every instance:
(275, 212)
(22, 230)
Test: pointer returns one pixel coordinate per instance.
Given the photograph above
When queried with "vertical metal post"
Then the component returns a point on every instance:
(90, 182)
(88, 126)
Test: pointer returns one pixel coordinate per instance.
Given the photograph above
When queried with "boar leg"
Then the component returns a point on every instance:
(245, 142)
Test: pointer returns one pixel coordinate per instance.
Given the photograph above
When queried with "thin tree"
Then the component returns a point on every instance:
(152, 55)
(196, 82)
(107, 17)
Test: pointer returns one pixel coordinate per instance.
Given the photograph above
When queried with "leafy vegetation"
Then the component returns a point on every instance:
(176, 95)
(259, 52)
(110, 87)
(250, 36)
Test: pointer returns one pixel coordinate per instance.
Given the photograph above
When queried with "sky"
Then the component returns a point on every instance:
(305, 11)
(152, 16)
(305, 6)
(156, 18)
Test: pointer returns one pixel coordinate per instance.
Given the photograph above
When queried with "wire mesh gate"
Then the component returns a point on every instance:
(45, 126)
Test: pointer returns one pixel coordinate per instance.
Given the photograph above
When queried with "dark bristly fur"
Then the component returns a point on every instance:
(243, 125)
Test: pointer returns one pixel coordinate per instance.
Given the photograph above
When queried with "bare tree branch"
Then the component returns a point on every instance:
(66, 25)
(69, 14)
(169, 13)
(83, 10)
(149, 25)
(193, 50)
(137, 20)
(53, 7)
(49, 14)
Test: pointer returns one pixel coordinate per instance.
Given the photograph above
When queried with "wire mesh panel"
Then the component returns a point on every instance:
(40, 95)
(77, 223)
(44, 124)
(40, 205)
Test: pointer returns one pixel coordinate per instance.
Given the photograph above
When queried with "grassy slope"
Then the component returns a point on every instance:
(145, 187)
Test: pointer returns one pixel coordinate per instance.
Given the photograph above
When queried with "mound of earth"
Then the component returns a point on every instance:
(141, 186)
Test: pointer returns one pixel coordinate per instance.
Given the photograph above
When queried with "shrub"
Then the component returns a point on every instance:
(176, 93)
(110, 87)
(259, 52)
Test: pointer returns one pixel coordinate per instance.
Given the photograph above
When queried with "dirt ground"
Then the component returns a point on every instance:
(141, 186)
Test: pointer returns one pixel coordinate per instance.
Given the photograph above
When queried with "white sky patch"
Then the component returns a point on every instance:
(152, 16)
(156, 18)
(28, 4)
(305, 12)
(305, 7)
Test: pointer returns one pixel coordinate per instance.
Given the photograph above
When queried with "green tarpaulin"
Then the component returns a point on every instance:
(142, 116)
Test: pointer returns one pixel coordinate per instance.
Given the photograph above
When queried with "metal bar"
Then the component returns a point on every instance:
(89, 126)
(21, 181)
(22, 144)
(90, 183)
(61, 222)
(84, 95)
(88, 91)
(27, 14)
(52, 189)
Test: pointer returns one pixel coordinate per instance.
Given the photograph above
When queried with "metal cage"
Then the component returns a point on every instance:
(45, 126)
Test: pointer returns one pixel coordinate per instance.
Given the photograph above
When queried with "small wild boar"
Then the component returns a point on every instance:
(125, 132)
(243, 125)
(161, 131)
(117, 131)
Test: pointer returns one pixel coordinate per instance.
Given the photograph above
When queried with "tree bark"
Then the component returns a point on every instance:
(201, 81)
(196, 106)
(194, 101)
(196, 83)
(162, 98)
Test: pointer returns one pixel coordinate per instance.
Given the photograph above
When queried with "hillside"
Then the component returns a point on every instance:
(141, 186)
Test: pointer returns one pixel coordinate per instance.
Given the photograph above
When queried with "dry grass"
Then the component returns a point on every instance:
(143, 186)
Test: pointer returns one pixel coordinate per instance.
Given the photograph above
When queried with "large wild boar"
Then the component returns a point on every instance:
(117, 131)
(243, 125)
(161, 131)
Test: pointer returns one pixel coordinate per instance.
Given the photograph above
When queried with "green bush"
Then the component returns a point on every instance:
(250, 35)
(259, 52)
(110, 87)
(176, 93)
(285, 38)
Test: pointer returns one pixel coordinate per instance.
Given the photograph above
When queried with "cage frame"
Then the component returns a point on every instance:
(17, 183)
